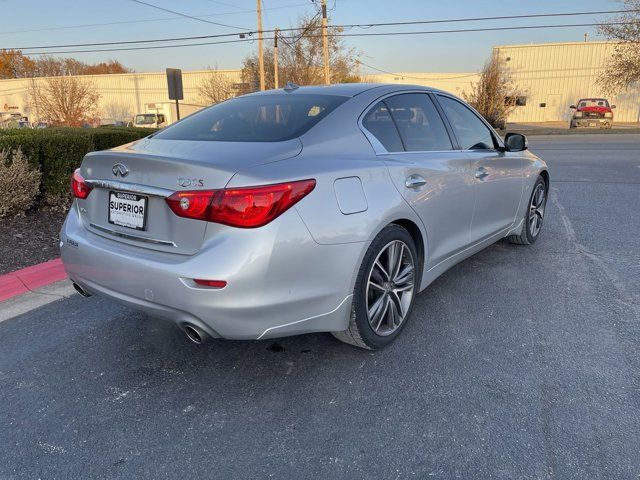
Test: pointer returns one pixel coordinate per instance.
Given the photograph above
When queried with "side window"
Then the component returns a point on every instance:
(471, 132)
(379, 123)
(419, 123)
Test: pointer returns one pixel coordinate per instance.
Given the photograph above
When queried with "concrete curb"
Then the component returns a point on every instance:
(30, 278)
(31, 300)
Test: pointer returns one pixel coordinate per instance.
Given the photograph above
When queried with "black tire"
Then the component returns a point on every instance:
(527, 237)
(360, 332)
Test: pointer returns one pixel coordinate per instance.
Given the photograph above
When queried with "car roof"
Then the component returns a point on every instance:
(345, 89)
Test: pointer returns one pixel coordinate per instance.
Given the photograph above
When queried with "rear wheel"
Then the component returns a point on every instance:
(534, 215)
(384, 292)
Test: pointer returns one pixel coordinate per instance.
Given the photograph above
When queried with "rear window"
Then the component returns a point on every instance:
(256, 118)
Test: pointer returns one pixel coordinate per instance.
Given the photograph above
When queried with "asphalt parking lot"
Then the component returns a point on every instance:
(519, 363)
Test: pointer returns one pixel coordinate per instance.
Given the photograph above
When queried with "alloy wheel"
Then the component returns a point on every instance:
(536, 209)
(390, 288)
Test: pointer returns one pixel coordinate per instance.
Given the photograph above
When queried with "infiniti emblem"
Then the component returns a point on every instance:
(120, 169)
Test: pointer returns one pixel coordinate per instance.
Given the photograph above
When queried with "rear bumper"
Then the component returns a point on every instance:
(279, 281)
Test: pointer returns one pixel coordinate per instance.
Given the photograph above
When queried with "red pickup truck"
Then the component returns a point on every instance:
(592, 112)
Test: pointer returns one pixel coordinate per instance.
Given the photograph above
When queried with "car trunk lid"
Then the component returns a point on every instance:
(148, 171)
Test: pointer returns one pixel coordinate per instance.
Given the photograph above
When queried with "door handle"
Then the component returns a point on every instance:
(481, 173)
(414, 181)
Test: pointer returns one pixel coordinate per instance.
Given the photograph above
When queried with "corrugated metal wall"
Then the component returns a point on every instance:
(557, 75)
(455, 83)
(128, 92)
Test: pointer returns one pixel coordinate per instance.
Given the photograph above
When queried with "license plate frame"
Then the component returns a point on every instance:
(129, 198)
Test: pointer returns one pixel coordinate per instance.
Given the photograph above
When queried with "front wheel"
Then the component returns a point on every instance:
(385, 288)
(534, 215)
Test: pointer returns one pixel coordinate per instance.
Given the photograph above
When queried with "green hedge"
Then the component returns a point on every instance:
(59, 151)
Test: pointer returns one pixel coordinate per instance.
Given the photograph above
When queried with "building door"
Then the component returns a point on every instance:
(554, 108)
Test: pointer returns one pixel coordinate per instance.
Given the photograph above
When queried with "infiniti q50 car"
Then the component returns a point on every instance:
(311, 209)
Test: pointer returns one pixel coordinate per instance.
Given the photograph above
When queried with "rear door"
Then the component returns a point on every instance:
(433, 178)
(497, 175)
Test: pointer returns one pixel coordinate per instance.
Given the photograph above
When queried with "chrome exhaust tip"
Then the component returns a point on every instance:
(80, 290)
(195, 334)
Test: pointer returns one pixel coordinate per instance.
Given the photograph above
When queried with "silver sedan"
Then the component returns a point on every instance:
(312, 209)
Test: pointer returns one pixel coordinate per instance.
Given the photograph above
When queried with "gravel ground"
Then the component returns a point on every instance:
(30, 239)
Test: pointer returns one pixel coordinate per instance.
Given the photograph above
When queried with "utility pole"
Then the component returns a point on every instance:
(325, 43)
(260, 52)
(275, 58)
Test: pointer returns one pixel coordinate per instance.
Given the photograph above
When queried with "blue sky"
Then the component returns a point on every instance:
(460, 52)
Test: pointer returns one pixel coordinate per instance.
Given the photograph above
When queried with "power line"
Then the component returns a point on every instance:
(230, 5)
(417, 22)
(302, 54)
(187, 16)
(163, 19)
(481, 19)
(470, 30)
(340, 34)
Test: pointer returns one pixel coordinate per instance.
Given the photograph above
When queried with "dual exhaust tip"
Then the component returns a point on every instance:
(80, 290)
(194, 333)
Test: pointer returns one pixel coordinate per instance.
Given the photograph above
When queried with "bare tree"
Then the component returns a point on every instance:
(117, 112)
(494, 95)
(300, 58)
(67, 101)
(13, 64)
(216, 88)
(623, 68)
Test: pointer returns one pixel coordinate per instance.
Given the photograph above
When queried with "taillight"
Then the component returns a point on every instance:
(80, 188)
(246, 207)
(192, 204)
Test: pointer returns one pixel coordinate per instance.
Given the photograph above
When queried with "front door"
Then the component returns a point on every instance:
(497, 175)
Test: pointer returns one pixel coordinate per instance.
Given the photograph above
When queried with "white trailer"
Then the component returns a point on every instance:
(161, 114)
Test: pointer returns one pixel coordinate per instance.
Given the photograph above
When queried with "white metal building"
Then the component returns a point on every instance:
(123, 93)
(551, 77)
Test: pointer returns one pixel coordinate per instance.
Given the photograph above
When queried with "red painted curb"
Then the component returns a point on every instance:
(29, 278)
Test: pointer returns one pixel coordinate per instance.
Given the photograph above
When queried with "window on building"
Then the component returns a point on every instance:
(517, 101)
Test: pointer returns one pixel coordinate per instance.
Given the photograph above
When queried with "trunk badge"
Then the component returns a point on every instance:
(120, 169)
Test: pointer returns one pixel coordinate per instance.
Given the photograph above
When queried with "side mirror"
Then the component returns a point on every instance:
(515, 142)
(573, 107)
(613, 106)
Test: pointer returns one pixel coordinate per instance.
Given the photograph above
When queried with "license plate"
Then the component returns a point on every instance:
(593, 124)
(128, 210)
